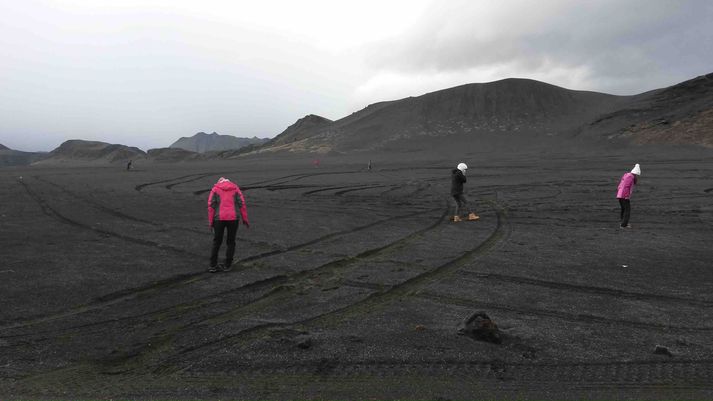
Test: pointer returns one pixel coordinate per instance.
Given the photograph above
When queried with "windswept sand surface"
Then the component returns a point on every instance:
(351, 284)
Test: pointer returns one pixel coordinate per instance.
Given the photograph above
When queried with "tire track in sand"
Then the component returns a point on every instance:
(170, 282)
(278, 280)
(364, 306)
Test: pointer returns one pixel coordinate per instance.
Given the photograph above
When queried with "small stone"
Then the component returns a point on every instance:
(304, 342)
(420, 327)
(480, 327)
(661, 350)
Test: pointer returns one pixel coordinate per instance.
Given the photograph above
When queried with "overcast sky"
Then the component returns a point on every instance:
(144, 73)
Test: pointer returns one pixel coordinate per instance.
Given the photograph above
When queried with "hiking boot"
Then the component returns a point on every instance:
(626, 226)
(473, 217)
(212, 269)
(457, 219)
(225, 267)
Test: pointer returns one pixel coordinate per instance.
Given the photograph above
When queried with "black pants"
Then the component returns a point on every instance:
(218, 228)
(461, 204)
(625, 211)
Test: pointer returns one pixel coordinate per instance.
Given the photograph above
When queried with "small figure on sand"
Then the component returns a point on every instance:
(224, 202)
(128, 165)
(457, 181)
(368, 167)
(626, 188)
(315, 162)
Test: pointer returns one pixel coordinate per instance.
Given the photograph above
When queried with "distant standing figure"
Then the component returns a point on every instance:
(224, 202)
(315, 162)
(626, 188)
(128, 165)
(457, 181)
(369, 166)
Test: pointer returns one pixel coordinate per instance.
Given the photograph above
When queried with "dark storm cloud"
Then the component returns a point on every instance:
(619, 46)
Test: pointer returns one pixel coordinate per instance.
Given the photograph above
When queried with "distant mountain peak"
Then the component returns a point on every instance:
(3, 147)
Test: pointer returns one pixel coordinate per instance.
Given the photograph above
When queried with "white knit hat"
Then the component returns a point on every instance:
(462, 167)
(636, 170)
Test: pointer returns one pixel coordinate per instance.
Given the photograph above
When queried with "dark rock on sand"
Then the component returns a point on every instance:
(480, 327)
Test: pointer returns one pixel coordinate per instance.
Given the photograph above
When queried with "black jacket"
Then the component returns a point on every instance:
(457, 181)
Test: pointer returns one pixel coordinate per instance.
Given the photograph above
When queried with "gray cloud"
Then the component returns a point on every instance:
(624, 46)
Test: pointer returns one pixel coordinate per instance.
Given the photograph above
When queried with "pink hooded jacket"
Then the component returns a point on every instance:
(224, 201)
(626, 186)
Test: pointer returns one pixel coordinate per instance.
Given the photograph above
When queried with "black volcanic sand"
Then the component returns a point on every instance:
(351, 284)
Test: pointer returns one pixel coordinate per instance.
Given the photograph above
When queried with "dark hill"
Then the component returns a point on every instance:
(171, 155)
(303, 128)
(513, 111)
(679, 114)
(10, 157)
(91, 151)
(202, 142)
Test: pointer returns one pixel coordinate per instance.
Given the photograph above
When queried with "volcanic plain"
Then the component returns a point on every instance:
(352, 283)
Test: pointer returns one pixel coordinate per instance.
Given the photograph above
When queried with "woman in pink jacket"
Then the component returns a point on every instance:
(626, 187)
(224, 202)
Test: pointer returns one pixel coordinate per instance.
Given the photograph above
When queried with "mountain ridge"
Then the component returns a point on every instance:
(505, 115)
(78, 150)
(202, 142)
(485, 111)
(518, 114)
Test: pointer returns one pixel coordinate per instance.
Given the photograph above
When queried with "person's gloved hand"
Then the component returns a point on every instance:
(210, 228)
(247, 224)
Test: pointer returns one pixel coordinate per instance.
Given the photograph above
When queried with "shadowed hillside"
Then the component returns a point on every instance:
(679, 114)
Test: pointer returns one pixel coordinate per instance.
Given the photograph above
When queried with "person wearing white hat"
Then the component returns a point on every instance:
(457, 181)
(624, 191)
